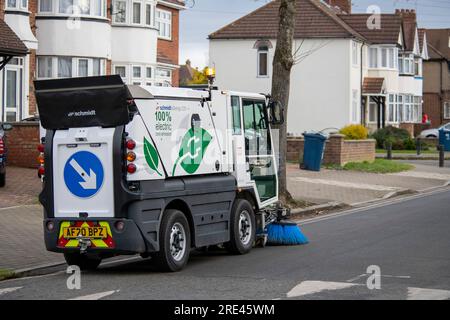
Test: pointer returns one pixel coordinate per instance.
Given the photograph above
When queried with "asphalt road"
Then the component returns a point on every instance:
(409, 240)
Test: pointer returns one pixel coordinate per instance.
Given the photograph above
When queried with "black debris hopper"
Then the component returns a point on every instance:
(82, 102)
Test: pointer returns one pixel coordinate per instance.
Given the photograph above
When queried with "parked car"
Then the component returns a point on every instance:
(3, 127)
(433, 133)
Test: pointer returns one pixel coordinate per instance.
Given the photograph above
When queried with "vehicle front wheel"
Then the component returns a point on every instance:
(84, 261)
(174, 242)
(242, 227)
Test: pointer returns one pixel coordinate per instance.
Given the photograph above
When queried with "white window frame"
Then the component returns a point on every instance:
(19, 69)
(262, 50)
(164, 80)
(406, 64)
(380, 53)
(93, 4)
(447, 110)
(140, 13)
(17, 7)
(375, 120)
(167, 21)
(75, 63)
(355, 59)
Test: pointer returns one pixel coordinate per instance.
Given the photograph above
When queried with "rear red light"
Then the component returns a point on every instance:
(131, 144)
(131, 168)
(2, 146)
(41, 147)
(41, 171)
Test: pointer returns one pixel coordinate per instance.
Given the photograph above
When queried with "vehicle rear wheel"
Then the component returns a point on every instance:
(2, 179)
(431, 136)
(242, 227)
(174, 242)
(84, 261)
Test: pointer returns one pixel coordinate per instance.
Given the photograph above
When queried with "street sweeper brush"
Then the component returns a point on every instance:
(285, 233)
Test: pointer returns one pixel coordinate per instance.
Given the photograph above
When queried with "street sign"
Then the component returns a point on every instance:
(83, 174)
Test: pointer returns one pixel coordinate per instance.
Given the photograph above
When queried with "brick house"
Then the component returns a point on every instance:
(437, 77)
(345, 72)
(137, 39)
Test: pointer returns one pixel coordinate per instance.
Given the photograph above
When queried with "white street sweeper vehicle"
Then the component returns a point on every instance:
(154, 171)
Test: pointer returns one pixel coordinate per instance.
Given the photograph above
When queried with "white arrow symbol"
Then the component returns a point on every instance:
(90, 181)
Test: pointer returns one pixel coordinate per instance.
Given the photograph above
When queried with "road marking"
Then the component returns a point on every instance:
(310, 287)
(423, 175)
(9, 290)
(383, 276)
(366, 209)
(96, 296)
(427, 294)
(343, 184)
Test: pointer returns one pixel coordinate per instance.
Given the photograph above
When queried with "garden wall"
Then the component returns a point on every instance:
(22, 142)
(337, 150)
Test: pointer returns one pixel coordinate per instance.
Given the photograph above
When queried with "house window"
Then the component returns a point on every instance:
(355, 105)
(263, 60)
(384, 57)
(236, 113)
(392, 108)
(96, 67)
(120, 12)
(148, 15)
(21, 5)
(149, 72)
(136, 72)
(373, 57)
(164, 24)
(136, 12)
(406, 64)
(64, 67)
(373, 112)
(45, 6)
(447, 110)
(82, 67)
(354, 53)
(418, 67)
(121, 71)
(45, 67)
(84, 7)
(66, 6)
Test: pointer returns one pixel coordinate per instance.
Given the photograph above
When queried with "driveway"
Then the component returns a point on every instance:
(22, 187)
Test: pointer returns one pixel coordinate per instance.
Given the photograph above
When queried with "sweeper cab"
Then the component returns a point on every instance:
(154, 171)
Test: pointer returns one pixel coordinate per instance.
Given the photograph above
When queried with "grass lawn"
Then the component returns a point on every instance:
(431, 151)
(6, 274)
(378, 166)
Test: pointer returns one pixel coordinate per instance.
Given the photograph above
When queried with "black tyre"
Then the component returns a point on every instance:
(84, 261)
(174, 242)
(2, 179)
(243, 227)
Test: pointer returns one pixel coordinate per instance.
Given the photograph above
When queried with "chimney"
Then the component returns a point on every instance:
(407, 15)
(343, 5)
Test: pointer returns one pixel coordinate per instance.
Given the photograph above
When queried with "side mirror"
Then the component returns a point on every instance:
(7, 126)
(276, 112)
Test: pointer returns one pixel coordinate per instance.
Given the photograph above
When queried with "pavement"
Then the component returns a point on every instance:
(21, 239)
(401, 249)
(413, 156)
(357, 188)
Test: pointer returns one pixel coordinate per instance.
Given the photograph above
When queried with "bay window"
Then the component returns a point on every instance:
(406, 64)
(49, 67)
(121, 71)
(92, 8)
(120, 11)
(383, 58)
(134, 12)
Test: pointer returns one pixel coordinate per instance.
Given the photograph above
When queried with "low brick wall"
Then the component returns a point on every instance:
(22, 143)
(337, 150)
(408, 127)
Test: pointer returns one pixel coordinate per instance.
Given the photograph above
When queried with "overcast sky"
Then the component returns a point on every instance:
(206, 16)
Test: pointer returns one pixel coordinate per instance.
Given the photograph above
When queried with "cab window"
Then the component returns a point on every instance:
(256, 129)
(236, 113)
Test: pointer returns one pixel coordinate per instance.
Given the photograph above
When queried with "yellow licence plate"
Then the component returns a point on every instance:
(88, 232)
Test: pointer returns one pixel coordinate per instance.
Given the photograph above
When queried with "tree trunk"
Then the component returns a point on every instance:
(281, 78)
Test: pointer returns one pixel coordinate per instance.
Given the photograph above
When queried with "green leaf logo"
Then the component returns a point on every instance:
(151, 156)
(192, 149)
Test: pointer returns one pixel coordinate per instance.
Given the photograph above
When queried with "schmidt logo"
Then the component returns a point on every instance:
(81, 113)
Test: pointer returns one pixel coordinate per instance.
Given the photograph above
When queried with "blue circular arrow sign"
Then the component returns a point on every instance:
(83, 174)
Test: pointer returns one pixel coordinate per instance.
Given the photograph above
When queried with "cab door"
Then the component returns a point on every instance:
(252, 144)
